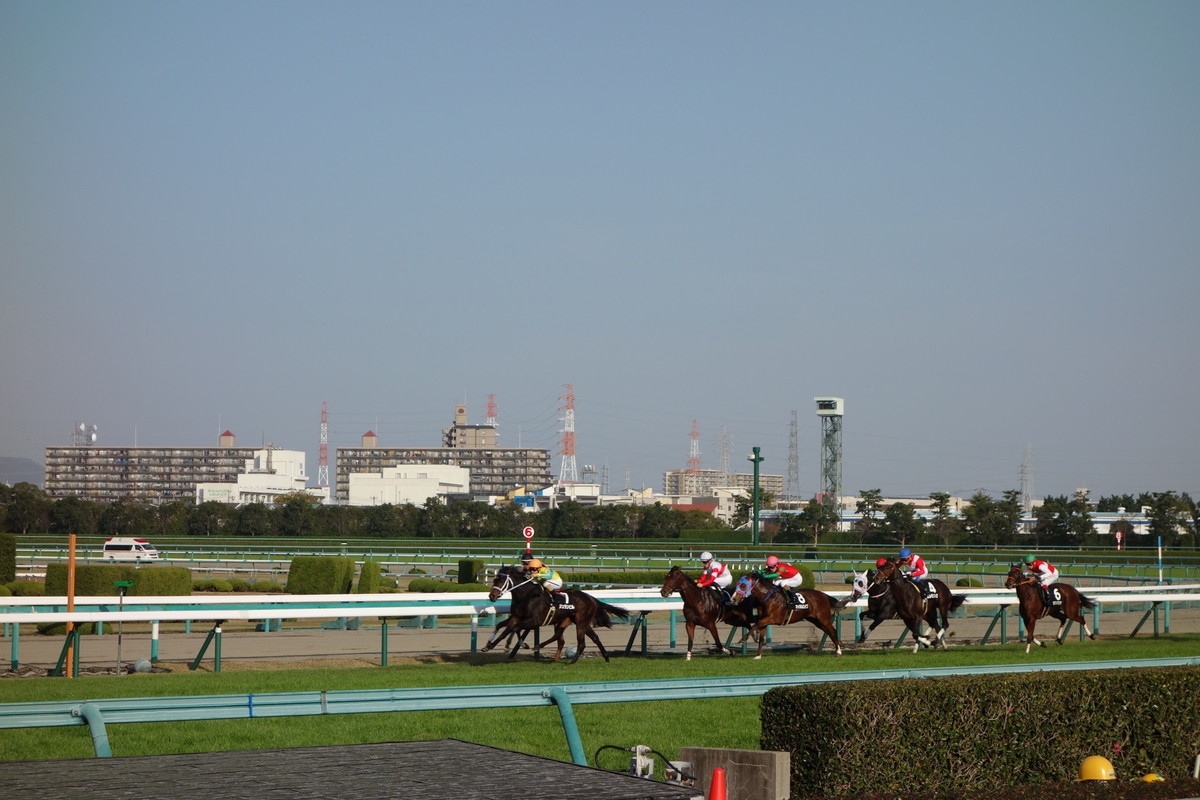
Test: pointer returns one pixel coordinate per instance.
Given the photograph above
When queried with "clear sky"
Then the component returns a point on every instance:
(976, 222)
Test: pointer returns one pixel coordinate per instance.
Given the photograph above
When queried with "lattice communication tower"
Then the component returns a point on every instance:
(323, 453)
(694, 450)
(830, 410)
(567, 472)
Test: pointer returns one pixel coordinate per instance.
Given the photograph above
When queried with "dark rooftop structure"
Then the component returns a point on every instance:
(446, 769)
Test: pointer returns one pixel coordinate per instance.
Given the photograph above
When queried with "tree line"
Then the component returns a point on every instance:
(985, 521)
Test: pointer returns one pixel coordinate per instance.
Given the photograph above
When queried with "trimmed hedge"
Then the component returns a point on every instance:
(96, 580)
(320, 575)
(370, 578)
(470, 570)
(8, 558)
(980, 733)
(439, 585)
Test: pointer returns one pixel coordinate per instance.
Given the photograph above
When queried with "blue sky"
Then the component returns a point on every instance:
(976, 222)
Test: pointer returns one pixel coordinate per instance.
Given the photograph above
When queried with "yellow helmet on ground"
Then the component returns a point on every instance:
(1152, 777)
(1096, 768)
(535, 563)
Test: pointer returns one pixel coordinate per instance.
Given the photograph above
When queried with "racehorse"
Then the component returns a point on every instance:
(914, 604)
(881, 606)
(703, 607)
(1065, 602)
(812, 605)
(531, 609)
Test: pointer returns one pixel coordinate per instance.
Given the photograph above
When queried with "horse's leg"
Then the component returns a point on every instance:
(505, 625)
(581, 630)
(520, 641)
(760, 634)
(830, 631)
(691, 633)
(712, 629)
(591, 633)
(1030, 639)
(1062, 627)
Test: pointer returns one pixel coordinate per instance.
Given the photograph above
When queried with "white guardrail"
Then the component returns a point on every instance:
(413, 604)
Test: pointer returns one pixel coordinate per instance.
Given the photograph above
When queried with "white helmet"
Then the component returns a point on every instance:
(706, 556)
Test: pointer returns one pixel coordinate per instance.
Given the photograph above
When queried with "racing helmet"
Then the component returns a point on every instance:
(1152, 777)
(706, 556)
(1096, 768)
(772, 561)
(880, 562)
(535, 563)
(1030, 558)
(905, 553)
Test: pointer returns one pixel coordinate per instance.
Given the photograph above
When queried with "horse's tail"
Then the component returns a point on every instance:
(604, 611)
(835, 603)
(1085, 602)
(957, 600)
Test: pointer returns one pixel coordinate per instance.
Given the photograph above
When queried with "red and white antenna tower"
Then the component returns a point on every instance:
(567, 473)
(694, 453)
(323, 457)
(490, 419)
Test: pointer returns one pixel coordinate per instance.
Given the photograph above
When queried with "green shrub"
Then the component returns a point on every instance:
(321, 575)
(969, 582)
(370, 578)
(470, 570)
(8, 558)
(436, 585)
(267, 586)
(1002, 721)
(5, 591)
(239, 584)
(96, 580)
(416, 571)
(27, 588)
(212, 585)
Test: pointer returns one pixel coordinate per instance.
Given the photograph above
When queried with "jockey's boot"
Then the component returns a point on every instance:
(791, 597)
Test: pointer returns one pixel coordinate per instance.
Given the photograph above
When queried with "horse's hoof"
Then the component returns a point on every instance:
(757, 658)
(689, 657)
(1091, 636)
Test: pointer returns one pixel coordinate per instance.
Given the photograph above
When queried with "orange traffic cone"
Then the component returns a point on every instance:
(716, 787)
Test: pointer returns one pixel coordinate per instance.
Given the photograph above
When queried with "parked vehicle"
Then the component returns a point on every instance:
(119, 548)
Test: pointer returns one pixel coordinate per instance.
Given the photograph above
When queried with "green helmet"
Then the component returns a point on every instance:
(1029, 559)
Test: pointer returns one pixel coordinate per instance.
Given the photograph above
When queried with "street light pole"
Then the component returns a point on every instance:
(757, 458)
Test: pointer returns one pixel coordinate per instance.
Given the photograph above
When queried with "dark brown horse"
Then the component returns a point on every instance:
(915, 604)
(812, 606)
(1064, 604)
(881, 606)
(531, 609)
(704, 607)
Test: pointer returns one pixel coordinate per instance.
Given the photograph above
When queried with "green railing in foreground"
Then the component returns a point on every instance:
(97, 713)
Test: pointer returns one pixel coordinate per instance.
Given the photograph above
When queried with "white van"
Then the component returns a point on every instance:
(126, 549)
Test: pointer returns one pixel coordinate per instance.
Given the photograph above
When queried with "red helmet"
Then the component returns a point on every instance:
(772, 561)
(879, 562)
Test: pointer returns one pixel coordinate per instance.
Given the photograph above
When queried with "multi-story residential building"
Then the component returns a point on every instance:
(495, 471)
(147, 474)
(705, 482)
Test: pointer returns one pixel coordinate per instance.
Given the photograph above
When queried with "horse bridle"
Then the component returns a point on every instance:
(510, 584)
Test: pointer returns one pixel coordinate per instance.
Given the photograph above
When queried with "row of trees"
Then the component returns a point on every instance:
(25, 508)
(1059, 521)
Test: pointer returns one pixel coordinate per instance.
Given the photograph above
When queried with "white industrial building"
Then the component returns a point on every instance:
(408, 484)
(269, 474)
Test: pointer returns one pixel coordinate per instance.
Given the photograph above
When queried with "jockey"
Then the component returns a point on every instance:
(1044, 571)
(913, 566)
(784, 575)
(715, 575)
(550, 581)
